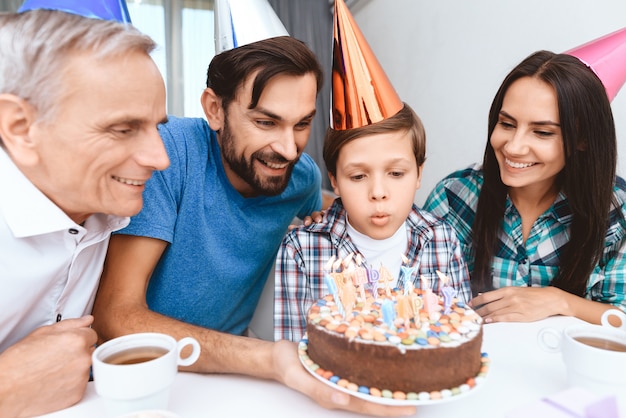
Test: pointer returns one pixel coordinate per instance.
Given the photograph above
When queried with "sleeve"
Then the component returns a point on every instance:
(607, 282)
(157, 217)
(454, 199)
(447, 257)
(290, 295)
(437, 201)
(458, 268)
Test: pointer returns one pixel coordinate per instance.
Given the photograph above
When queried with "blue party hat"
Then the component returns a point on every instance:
(242, 22)
(96, 9)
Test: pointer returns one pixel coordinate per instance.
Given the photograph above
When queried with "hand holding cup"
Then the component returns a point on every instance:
(135, 372)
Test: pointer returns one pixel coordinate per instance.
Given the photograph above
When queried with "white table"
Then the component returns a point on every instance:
(520, 373)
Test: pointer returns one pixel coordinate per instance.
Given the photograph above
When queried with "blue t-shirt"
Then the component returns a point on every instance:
(222, 246)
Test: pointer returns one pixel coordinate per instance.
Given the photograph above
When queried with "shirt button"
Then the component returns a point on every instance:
(73, 231)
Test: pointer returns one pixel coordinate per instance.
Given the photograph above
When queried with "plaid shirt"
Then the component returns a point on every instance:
(301, 259)
(536, 262)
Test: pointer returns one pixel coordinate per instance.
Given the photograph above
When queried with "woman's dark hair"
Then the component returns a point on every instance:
(589, 143)
(281, 55)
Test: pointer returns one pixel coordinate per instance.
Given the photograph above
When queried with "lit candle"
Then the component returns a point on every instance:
(431, 301)
(389, 313)
(407, 273)
(329, 264)
(418, 304)
(405, 309)
(331, 267)
(448, 292)
(349, 297)
(339, 279)
(372, 277)
(408, 288)
(347, 261)
(332, 288)
(386, 278)
(360, 276)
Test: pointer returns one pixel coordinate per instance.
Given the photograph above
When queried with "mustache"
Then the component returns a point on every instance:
(272, 157)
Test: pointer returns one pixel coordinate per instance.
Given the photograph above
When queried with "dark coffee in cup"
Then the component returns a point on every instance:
(135, 355)
(602, 343)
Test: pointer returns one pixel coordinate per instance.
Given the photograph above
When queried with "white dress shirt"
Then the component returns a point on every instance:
(49, 265)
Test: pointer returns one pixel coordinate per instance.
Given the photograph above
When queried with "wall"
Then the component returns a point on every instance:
(447, 59)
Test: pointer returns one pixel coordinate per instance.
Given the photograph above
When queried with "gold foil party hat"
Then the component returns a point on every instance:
(242, 22)
(361, 92)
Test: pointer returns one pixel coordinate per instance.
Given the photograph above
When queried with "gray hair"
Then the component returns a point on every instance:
(35, 47)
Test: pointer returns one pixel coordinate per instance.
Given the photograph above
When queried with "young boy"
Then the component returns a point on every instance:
(374, 154)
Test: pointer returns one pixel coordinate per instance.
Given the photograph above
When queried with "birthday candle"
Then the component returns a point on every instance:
(405, 309)
(332, 288)
(431, 302)
(389, 313)
(360, 277)
(407, 273)
(349, 296)
(347, 261)
(448, 292)
(372, 278)
(329, 263)
(386, 278)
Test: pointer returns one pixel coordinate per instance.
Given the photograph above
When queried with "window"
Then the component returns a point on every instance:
(183, 29)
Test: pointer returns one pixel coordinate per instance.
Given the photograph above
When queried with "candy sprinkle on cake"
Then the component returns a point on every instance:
(400, 343)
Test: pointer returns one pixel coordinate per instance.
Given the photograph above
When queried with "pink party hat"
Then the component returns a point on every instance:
(242, 22)
(606, 56)
(96, 9)
(361, 93)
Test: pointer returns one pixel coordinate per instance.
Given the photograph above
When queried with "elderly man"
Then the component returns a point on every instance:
(80, 101)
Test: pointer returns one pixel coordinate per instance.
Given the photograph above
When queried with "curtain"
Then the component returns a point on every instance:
(10, 5)
(311, 21)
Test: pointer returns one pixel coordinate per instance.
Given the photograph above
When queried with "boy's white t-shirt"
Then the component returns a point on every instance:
(387, 252)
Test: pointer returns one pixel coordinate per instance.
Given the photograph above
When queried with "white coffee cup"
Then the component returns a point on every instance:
(594, 355)
(135, 372)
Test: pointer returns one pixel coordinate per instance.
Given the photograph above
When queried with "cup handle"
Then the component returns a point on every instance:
(195, 354)
(549, 339)
(617, 313)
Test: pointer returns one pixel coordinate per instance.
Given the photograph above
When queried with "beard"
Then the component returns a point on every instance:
(262, 185)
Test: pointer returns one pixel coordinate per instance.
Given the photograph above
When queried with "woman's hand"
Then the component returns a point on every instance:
(519, 304)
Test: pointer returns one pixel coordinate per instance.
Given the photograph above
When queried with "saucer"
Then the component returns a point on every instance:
(422, 398)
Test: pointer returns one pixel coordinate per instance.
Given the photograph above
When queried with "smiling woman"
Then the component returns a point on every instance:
(542, 219)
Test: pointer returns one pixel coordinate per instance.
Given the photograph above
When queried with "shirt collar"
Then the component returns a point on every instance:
(559, 210)
(28, 212)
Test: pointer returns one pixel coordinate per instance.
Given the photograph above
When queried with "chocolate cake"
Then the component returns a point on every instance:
(397, 343)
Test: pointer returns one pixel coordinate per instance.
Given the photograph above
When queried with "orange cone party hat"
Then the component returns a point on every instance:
(96, 9)
(361, 94)
(241, 22)
(606, 56)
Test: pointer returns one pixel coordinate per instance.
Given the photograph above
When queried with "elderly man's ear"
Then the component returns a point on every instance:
(16, 119)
